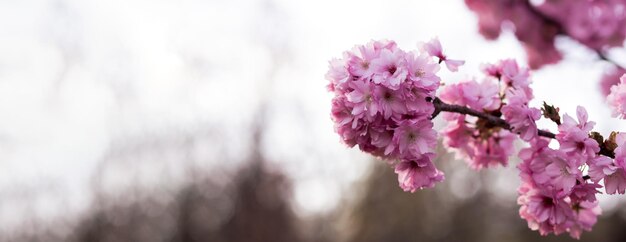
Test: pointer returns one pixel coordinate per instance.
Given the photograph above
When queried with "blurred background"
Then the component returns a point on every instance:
(190, 120)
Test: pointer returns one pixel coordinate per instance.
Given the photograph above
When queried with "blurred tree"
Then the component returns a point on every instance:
(254, 207)
(383, 212)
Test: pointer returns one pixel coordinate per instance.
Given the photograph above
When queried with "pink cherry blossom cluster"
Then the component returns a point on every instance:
(384, 100)
(536, 34)
(599, 25)
(504, 91)
(596, 24)
(555, 196)
(381, 104)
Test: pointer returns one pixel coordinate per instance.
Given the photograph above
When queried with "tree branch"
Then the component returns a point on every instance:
(441, 106)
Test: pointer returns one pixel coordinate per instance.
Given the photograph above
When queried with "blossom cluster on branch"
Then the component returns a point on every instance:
(381, 104)
(597, 24)
(385, 99)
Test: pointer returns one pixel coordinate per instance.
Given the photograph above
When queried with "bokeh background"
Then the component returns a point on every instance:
(190, 120)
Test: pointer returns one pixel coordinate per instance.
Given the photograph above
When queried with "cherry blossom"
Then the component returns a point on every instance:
(381, 105)
(617, 98)
(521, 117)
(385, 99)
(418, 174)
(433, 47)
(612, 171)
(574, 136)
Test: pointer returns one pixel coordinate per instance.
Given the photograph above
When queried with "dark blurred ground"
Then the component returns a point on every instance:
(255, 205)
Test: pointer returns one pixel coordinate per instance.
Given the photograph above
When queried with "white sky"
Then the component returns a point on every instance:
(77, 76)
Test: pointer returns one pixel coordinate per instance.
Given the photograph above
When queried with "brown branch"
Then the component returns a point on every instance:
(441, 106)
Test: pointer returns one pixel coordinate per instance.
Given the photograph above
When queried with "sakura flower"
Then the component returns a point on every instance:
(337, 73)
(612, 171)
(478, 151)
(492, 70)
(453, 65)
(584, 217)
(600, 167)
(492, 151)
(458, 135)
(383, 44)
(620, 150)
(543, 211)
(415, 101)
(534, 160)
(433, 47)
(343, 118)
(453, 94)
(360, 58)
(418, 174)
(617, 98)
(390, 101)
(584, 191)
(616, 182)
(583, 124)
(511, 74)
(390, 68)
(362, 97)
(361, 67)
(515, 76)
(548, 169)
(413, 138)
(574, 136)
(578, 144)
(520, 116)
(380, 137)
(423, 71)
(563, 174)
(482, 95)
